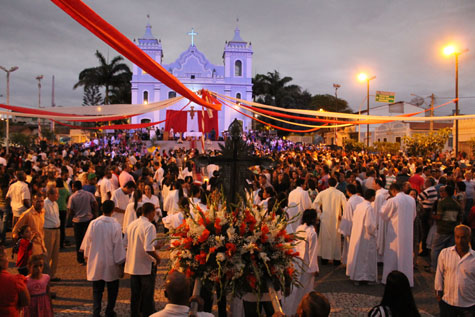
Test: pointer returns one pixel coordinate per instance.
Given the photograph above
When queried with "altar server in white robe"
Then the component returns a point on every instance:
(308, 252)
(170, 204)
(347, 218)
(399, 213)
(330, 203)
(362, 257)
(299, 200)
(104, 251)
(382, 196)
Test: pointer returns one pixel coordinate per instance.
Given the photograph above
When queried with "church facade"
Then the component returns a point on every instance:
(232, 78)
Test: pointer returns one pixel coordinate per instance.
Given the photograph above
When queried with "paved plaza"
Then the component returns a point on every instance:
(74, 293)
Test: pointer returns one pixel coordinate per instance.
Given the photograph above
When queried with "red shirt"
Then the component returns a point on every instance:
(24, 253)
(9, 291)
(417, 182)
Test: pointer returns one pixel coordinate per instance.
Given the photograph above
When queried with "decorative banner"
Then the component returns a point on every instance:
(106, 32)
(385, 96)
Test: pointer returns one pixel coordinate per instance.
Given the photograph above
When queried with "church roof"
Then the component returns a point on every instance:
(148, 33)
(237, 36)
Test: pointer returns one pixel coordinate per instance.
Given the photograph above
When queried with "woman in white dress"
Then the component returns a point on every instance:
(307, 249)
(149, 197)
(133, 209)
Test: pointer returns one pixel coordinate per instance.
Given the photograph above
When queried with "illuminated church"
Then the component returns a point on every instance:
(232, 78)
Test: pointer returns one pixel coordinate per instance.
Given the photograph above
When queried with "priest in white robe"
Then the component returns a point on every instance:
(362, 257)
(347, 218)
(382, 196)
(104, 252)
(308, 252)
(299, 200)
(330, 203)
(399, 213)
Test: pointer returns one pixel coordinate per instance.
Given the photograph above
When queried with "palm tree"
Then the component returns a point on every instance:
(273, 90)
(108, 75)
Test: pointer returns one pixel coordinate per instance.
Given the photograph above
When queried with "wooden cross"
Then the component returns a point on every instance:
(234, 162)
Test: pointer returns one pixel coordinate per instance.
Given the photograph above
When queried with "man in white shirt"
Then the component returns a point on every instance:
(18, 196)
(330, 204)
(121, 197)
(177, 291)
(455, 276)
(51, 228)
(105, 186)
(104, 252)
(141, 261)
(298, 201)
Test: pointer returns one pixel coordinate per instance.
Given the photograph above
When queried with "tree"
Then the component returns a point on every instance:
(108, 75)
(422, 144)
(330, 103)
(92, 96)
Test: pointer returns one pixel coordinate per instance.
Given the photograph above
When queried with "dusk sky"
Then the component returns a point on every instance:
(317, 42)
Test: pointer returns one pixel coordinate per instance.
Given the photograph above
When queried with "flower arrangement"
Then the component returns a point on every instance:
(240, 251)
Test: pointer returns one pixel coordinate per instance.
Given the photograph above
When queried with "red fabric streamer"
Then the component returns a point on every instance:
(58, 114)
(271, 125)
(106, 32)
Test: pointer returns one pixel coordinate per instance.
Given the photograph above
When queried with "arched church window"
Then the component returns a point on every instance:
(238, 95)
(145, 97)
(145, 121)
(238, 68)
(171, 94)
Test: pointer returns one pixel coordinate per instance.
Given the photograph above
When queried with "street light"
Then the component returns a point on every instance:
(364, 77)
(39, 78)
(336, 86)
(7, 134)
(448, 51)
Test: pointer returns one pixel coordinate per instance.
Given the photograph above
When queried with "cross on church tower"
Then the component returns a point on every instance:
(192, 34)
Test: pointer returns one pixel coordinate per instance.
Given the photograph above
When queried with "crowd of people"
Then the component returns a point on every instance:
(351, 209)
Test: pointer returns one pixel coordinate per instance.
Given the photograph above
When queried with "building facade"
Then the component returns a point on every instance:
(232, 78)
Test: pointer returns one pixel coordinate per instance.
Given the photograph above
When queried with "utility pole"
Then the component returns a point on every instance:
(39, 78)
(432, 99)
(7, 134)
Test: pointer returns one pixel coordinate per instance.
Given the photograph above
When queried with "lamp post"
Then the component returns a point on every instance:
(336, 86)
(453, 50)
(364, 77)
(7, 134)
(39, 78)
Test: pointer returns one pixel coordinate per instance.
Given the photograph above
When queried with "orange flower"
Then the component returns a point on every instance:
(212, 250)
(217, 227)
(201, 258)
(176, 243)
(290, 271)
(204, 236)
(230, 249)
(187, 242)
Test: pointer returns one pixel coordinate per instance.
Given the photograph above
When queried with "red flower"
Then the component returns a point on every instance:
(290, 271)
(204, 236)
(242, 228)
(251, 279)
(217, 226)
(176, 243)
(189, 273)
(230, 249)
(265, 229)
(282, 233)
(201, 258)
(187, 242)
(212, 250)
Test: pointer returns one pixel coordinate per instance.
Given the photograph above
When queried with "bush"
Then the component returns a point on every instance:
(426, 143)
(351, 145)
(21, 139)
(387, 147)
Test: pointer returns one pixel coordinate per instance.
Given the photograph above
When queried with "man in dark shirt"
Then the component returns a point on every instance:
(82, 205)
(448, 216)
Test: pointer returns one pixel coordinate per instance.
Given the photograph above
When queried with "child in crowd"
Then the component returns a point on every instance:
(38, 286)
(24, 248)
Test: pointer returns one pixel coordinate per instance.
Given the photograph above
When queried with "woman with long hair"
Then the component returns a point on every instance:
(397, 299)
